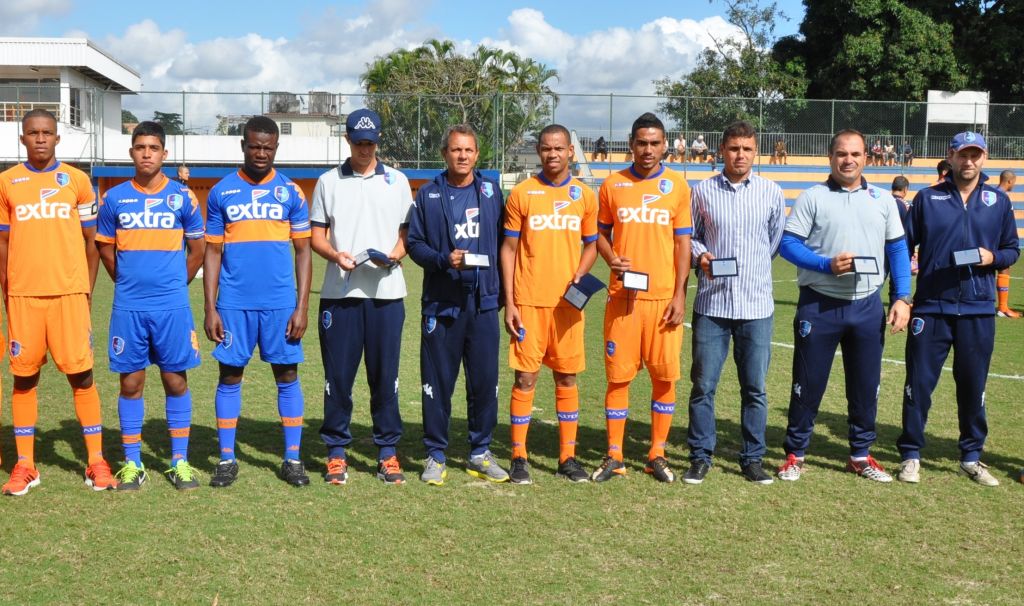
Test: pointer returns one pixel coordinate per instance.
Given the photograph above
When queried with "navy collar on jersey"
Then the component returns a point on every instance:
(834, 185)
(544, 180)
(661, 169)
(49, 168)
(346, 168)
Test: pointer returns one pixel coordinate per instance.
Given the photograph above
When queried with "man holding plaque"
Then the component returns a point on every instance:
(360, 215)
(838, 234)
(644, 235)
(965, 233)
(453, 236)
(738, 220)
(546, 219)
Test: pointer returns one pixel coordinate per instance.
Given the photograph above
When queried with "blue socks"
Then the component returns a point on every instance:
(179, 423)
(131, 412)
(228, 405)
(290, 407)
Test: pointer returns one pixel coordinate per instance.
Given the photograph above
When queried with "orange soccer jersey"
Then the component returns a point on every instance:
(45, 211)
(645, 215)
(550, 220)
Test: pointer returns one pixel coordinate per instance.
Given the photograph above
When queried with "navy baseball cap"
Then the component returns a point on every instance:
(363, 125)
(968, 139)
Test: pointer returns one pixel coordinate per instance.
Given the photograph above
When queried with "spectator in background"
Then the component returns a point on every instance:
(908, 154)
(679, 149)
(877, 155)
(183, 174)
(699, 149)
(779, 155)
(890, 154)
(1006, 182)
(900, 191)
(942, 168)
(600, 150)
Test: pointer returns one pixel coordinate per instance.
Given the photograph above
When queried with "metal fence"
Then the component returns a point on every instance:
(506, 123)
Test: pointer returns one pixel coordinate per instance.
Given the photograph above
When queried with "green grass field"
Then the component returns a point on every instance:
(831, 538)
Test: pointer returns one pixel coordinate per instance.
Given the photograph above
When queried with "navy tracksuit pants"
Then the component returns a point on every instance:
(470, 340)
(931, 336)
(349, 328)
(821, 324)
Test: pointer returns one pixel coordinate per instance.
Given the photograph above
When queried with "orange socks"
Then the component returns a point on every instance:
(25, 409)
(567, 403)
(663, 406)
(520, 409)
(1002, 292)
(87, 408)
(616, 409)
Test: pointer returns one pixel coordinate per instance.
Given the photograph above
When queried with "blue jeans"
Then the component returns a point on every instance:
(752, 353)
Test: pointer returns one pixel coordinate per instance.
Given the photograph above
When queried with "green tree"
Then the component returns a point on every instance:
(737, 76)
(127, 118)
(420, 92)
(171, 122)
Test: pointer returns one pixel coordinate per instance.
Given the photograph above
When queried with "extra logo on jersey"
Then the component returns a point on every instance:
(281, 194)
(665, 186)
(147, 218)
(556, 220)
(916, 326)
(62, 179)
(988, 198)
(326, 319)
(256, 209)
(575, 192)
(117, 345)
(658, 216)
(804, 328)
(487, 189)
(175, 202)
(471, 228)
(43, 209)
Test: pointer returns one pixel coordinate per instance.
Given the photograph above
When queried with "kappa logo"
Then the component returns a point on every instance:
(945, 197)
(797, 389)
(575, 192)
(281, 194)
(665, 186)
(609, 348)
(175, 201)
(15, 349)
(988, 198)
(907, 391)
(428, 390)
(429, 324)
(256, 209)
(19, 180)
(43, 209)
(556, 221)
(396, 385)
(327, 387)
(487, 189)
(433, 194)
(624, 184)
(147, 219)
(326, 319)
(471, 228)
(365, 123)
(805, 328)
(117, 345)
(916, 326)
(62, 179)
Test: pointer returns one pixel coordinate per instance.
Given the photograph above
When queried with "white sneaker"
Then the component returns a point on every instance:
(791, 469)
(868, 468)
(910, 471)
(978, 472)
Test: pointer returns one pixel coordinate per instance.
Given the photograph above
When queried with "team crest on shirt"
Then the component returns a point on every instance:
(63, 179)
(175, 201)
(281, 194)
(389, 177)
(874, 193)
(575, 192)
(804, 328)
(988, 198)
(487, 189)
(916, 326)
(609, 348)
(326, 319)
(117, 345)
(15, 349)
(429, 324)
(227, 340)
(665, 186)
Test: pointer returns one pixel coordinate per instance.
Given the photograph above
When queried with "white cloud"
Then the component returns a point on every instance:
(20, 17)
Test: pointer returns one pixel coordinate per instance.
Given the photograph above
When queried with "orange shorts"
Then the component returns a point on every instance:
(635, 336)
(60, 323)
(554, 337)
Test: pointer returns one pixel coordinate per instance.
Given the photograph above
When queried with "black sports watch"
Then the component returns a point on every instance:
(907, 299)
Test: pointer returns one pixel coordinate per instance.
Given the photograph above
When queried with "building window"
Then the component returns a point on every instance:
(75, 107)
(286, 128)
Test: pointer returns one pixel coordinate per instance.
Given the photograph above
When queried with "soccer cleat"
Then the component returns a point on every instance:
(609, 468)
(23, 479)
(99, 477)
(1007, 313)
(698, 469)
(910, 471)
(389, 471)
(434, 472)
(754, 472)
(224, 474)
(131, 476)
(183, 476)
(486, 467)
(337, 471)
(978, 472)
(571, 470)
(658, 468)
(868, 468)
(294, 472)
(791, 469)
(519, 471)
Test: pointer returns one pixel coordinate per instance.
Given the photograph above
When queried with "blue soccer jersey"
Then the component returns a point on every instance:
(148, 228)
(256, 223)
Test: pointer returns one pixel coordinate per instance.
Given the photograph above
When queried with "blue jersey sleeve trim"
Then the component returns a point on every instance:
(604, 226)
(682, 231)
(589, 239)
(89, 223)
(5, 228)
(511, 234)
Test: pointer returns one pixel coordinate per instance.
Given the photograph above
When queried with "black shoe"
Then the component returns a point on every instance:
(610, 468)
(294, 472)
(571, 470)
(698, 469)
(225, 474)
(659, 469)
(519, 471)
(753, 472)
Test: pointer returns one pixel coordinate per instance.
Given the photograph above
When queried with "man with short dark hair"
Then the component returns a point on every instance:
(1007, 179)
(738, 217)
(838, 234)
(255, 293)
(360, 218)
(965, 232)
(453, 236)
(142, 225)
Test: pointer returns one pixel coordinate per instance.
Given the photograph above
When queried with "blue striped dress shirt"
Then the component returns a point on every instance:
(743, 220)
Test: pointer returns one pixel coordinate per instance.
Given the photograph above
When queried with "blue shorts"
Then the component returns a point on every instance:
(165, 337)
(244, 329)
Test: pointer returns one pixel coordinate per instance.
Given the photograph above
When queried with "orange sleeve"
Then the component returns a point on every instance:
(513, 214)
(605, 212)
(683, 218)
(589, 227)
